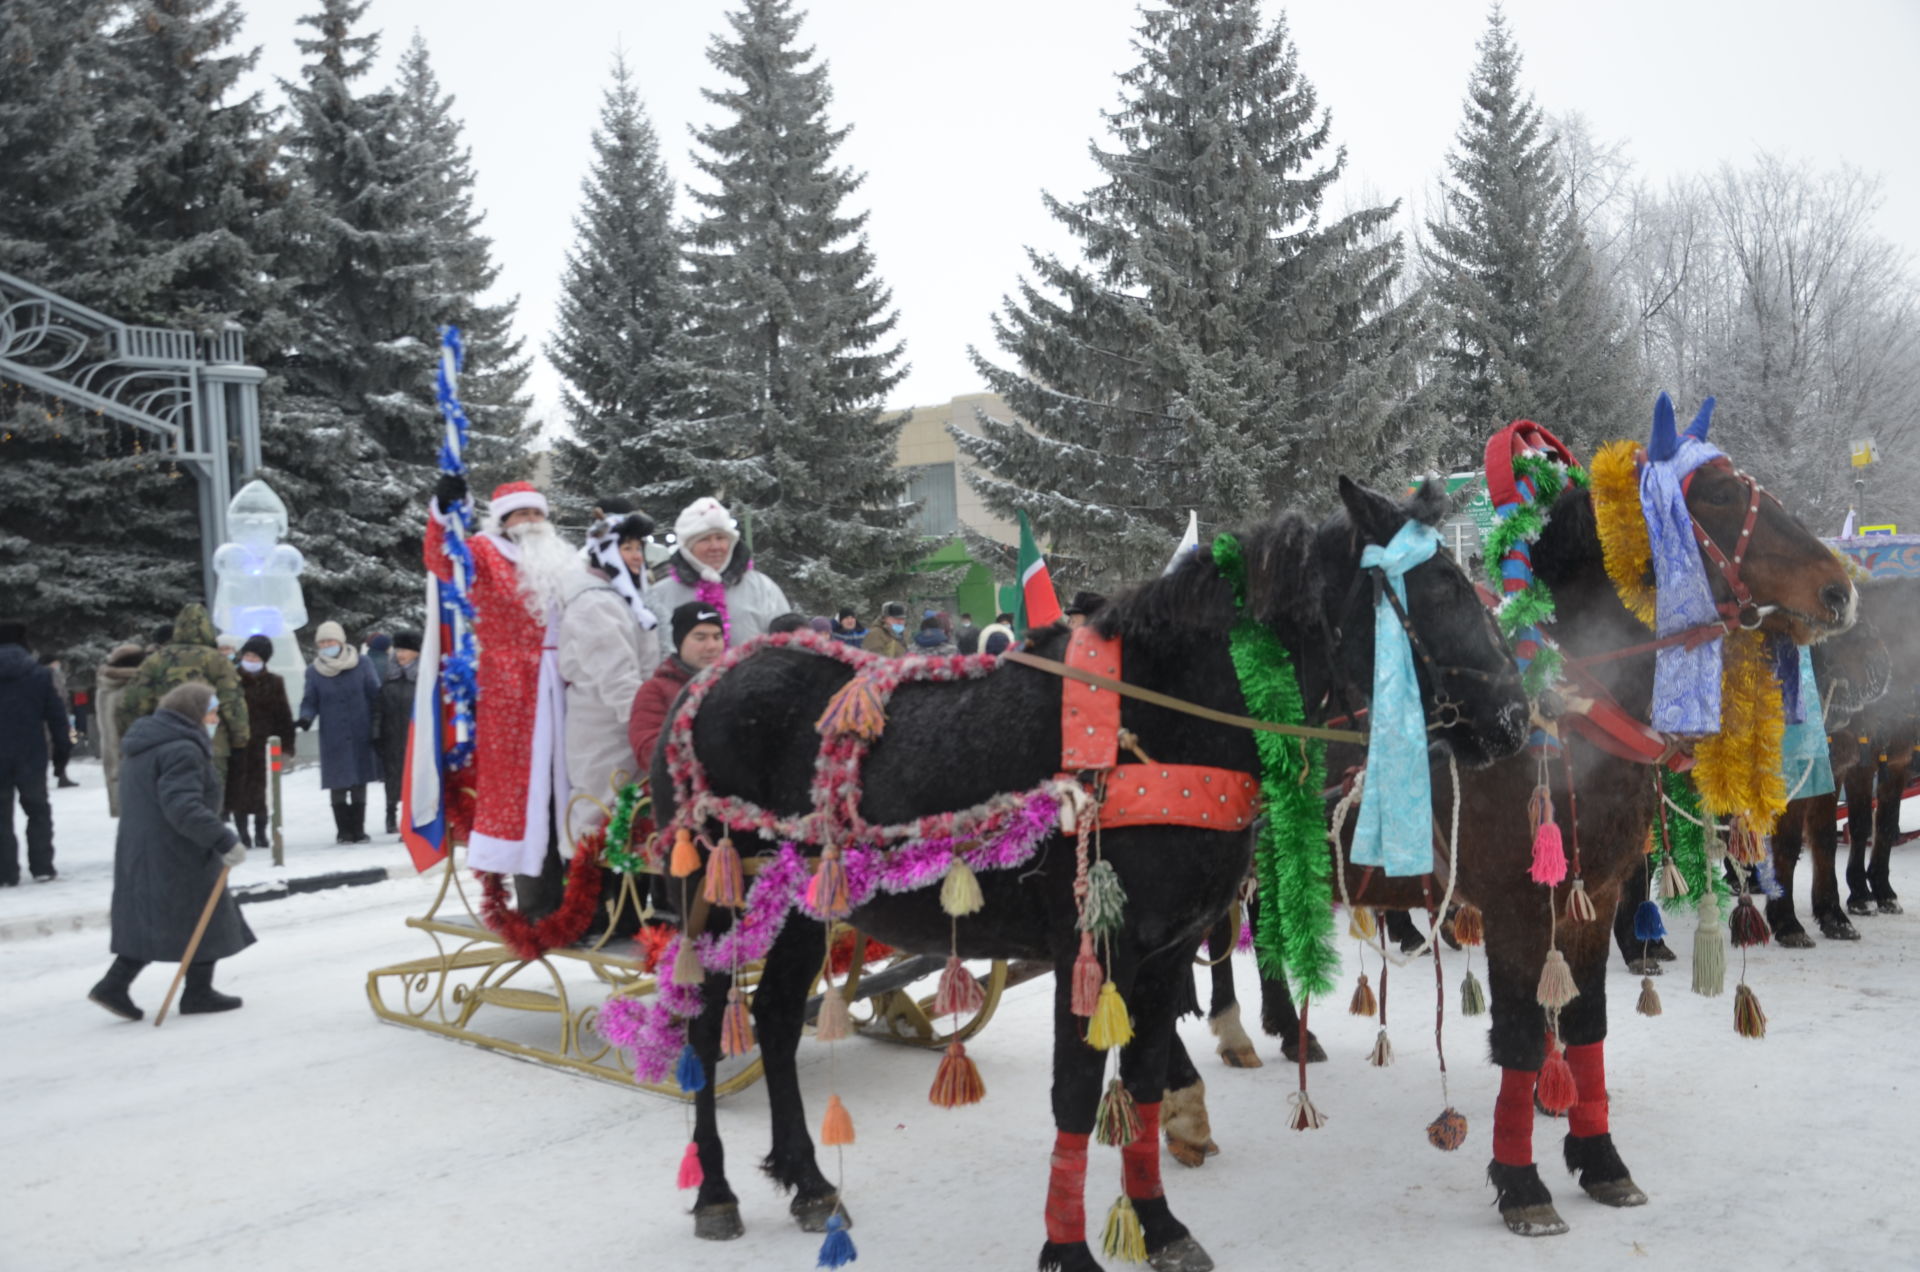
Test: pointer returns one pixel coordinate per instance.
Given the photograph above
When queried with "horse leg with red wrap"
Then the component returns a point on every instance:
(1077, 1079)
(1516, 939)
(1143, 1071)
(1589, 1149)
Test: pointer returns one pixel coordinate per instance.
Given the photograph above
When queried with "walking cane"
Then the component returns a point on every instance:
(199, 930)
(279, 844)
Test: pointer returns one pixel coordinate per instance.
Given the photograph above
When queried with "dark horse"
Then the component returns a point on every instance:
(1798, 589)
(951, 746)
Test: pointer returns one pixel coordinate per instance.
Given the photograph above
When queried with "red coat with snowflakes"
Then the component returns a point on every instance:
(511, 752)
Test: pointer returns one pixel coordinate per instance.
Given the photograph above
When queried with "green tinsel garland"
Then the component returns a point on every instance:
(1534, 605)
(619, 855)
(1688, 844)
(1295, 934)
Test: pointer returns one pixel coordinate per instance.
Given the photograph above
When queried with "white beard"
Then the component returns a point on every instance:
(550, 570)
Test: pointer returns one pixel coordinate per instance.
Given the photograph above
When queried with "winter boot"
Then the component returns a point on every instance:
(111, 992)
(357, 823)
(342, 824)
(240, 828)
(262, 833)
(393, 819)
(200, 997)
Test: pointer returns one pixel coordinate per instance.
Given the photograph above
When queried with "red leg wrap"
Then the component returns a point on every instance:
(1589, 1114)
(1513, 1118)
(1067, 1189)
(1140, 1160)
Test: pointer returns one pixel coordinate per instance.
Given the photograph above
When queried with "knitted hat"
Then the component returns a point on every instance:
(226, 640)
(329, 631)
(689, 616)
(380, 641)
(702, 517)
(849, 612)
(513, 496)
(821, 623)
(260, 647)
(407, 640)
(192, 700)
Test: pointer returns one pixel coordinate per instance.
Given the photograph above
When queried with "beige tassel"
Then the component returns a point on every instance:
(1556, 982)
(1649, 1004)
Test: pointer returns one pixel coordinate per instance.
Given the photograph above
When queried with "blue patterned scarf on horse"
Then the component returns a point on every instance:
(1686, 680)
(1395, 829)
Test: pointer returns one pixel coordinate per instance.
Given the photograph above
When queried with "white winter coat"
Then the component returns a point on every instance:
(603, 658)
(752, 605)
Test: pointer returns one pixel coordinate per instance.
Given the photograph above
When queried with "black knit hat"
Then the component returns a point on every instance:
(636, 525)
(689, 616)
(260, 646)
(407, 640)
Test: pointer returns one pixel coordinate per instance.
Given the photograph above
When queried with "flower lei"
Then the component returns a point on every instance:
(565, 925)
(1295, 935)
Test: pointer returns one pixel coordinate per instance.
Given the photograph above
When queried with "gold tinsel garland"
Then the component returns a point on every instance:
(1736, 770)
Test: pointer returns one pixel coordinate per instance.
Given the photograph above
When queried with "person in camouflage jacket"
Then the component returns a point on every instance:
(191, 656)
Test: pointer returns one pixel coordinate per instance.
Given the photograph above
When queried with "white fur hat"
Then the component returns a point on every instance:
(702, 517)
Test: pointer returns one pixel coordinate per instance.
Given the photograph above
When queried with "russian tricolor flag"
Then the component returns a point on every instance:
(423, 803)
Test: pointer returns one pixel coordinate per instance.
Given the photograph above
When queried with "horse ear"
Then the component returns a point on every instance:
(1702, 422)
(1372, 515)
(1662, 445)
(1429, 504)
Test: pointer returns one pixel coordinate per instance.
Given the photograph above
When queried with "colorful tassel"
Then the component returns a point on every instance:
(1672, 883)
(1116, 1123)
(1124, 1238)
(1360, 925)
(1549, 857)
(686, 964)
(691, 1174)
(837, 1250)
(689, 1072)
(960, 893)
(1647, 923)
(1106, 906)
(836, 1127)
(1748, 925)
(686, 858)
(1579, 904)
(1748, 1020)
(957, 1081)
(1363, 1003)
(1469, 928)
(1743, 845)
(724, 884)
(1709, 951)
(1473, 997)
(1087, 978)
(1649, 1004)
(1304, 1117)
(736, 1028)
(1448, 1131)
(829, 894)
(1556, 982)
(1382, 1054)
(1556, 1088)
(959, 993)
(855, 709)
(1111, 1026)
(834, 1023)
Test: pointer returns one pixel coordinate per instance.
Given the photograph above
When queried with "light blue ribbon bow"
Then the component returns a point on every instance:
(1806, 743)
(1396, 807)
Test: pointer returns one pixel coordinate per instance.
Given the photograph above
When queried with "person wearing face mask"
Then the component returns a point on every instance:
(171, 846)
(229, 646)
(344, 696)
(710, 564)
(269, 714)
(889, 635)
(191, 654)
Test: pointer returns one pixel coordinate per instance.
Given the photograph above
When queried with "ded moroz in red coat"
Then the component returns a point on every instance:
(519, 771)
(650, 707)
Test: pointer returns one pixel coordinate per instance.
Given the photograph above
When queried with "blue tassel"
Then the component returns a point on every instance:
(837, 1250)
(1647, 925)
(690, 1073)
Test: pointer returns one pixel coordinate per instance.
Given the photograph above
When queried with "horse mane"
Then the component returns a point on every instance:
(1283, 589)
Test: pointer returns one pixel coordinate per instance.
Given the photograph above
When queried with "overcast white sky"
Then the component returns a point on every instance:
(963, 113)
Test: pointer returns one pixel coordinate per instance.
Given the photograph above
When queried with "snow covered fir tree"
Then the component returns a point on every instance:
(1225, 345)
(788, 353)
(622, 303)
(1530, 329)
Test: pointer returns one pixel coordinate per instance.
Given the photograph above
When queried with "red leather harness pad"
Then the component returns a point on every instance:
(1140, 794)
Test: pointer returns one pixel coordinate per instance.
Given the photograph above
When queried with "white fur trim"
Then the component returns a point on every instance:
(702, 517)
(506, 504)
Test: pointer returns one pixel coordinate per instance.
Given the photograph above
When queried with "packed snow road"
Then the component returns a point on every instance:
(299, 1133)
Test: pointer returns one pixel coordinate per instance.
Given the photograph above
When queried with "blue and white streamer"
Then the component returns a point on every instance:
(459, 668)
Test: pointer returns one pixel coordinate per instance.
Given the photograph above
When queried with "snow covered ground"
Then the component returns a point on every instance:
(300, 1133)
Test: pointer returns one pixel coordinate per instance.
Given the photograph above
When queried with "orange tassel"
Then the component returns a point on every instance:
(736, 1028)
(1087, 978)
(686, 858)
(837, 1126)
(958, 1080)
(828, 889)
(854, 709)
(1363, 1003)
(725, 886)
(1468, 927)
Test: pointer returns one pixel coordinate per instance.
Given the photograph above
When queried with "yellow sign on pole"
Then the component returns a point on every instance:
(1889, 528)
(1865, 452)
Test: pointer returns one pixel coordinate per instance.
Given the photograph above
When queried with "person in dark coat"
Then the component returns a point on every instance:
(31, 716)
(698, 642)
(932, 638)
(269, 714)
(190, 654)
(380, 654)
(168, 856)
(396, 713)
(966, 637)
(344, 696)
(58, 670)
(849, 630)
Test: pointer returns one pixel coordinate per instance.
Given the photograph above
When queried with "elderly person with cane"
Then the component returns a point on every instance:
(173, 849)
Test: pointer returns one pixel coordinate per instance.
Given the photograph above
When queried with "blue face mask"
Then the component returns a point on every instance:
(213, 728)
(897, 627)
(329, 651)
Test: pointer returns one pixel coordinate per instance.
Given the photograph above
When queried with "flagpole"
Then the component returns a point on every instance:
(458, 669)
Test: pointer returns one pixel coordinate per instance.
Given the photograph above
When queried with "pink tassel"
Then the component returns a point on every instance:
(1549, 858)
(828, 890)
(691, 1175)
(1087, 978)
(959, 993)
(724, 884)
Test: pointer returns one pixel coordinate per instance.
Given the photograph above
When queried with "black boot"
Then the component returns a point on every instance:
(111, 992)
(200, 997)
(342, 824)
(357, 823)
(393, 819)
(262, 833)
(240, 828)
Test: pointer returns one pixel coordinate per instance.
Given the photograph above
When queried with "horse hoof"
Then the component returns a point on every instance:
(1241, 1057)
(719, 1223)
(1648, 966)
(1860, 906)
(1188, 1154)
(1837, 928)
(1315, 1052)
(1213, 1149)
(1534, 1221)
(1792, 940)
(1616, 1192)
(812, 1213)
(1888, 905)
(1184, 1255)
(1662, 951)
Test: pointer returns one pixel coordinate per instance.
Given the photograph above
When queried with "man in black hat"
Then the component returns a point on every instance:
(698, 641)
(889, 635)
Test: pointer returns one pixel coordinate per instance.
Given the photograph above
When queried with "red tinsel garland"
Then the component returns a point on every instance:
(566, 924)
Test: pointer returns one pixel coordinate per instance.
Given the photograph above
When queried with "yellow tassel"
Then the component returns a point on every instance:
(960, 893)
(1124, 1238)
(837, 1126)
(1360, 924)
(1111, 1026)
(686, 858)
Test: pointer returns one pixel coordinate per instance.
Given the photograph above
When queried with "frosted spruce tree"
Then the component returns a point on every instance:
(621, 303)
(788, 355)
(1531, 330)
(1225, 345)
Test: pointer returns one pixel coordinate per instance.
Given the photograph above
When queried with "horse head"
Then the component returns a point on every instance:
(1853, 669)
(1469, 683)
(1761, 561)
